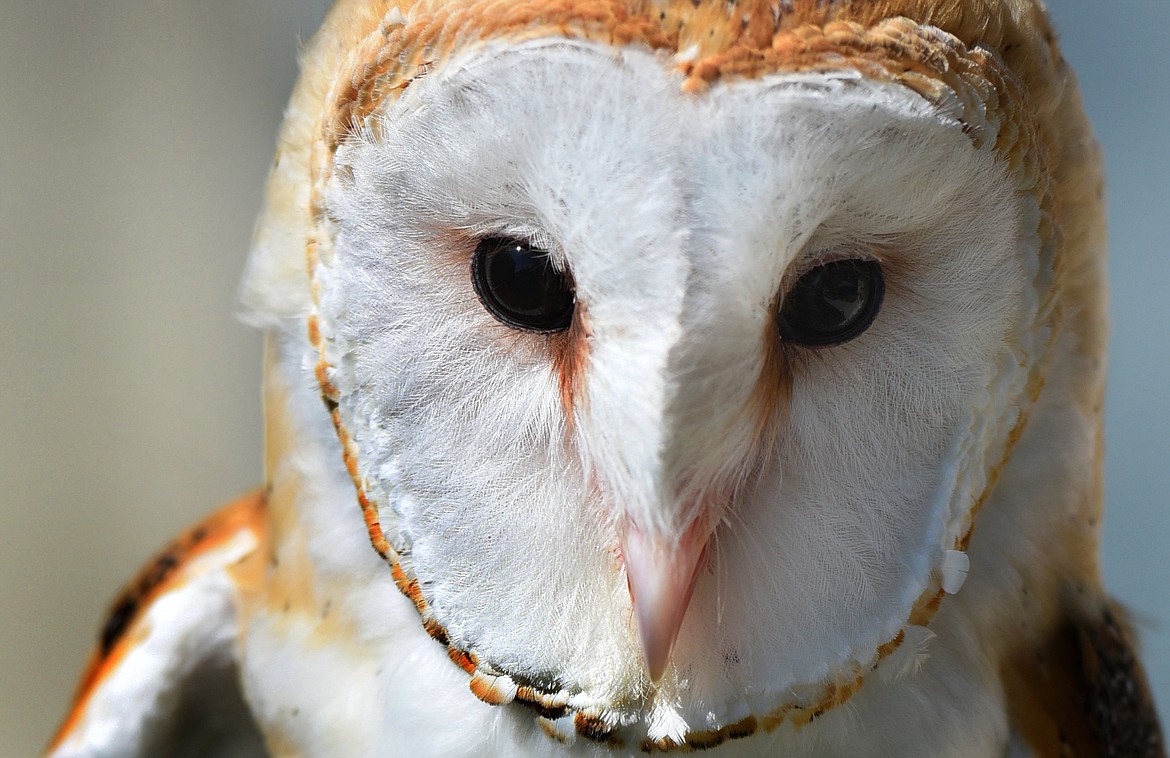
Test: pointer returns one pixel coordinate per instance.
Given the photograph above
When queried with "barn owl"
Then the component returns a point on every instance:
(653, 375)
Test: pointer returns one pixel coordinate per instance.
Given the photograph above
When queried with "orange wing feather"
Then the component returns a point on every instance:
(172, 567)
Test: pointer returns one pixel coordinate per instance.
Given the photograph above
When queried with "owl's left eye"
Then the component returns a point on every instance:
(517, 284)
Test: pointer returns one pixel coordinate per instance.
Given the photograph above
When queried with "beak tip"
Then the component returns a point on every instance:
(656, 656)
(656, 667)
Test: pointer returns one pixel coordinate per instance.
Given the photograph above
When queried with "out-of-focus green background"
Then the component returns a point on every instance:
(134, 141)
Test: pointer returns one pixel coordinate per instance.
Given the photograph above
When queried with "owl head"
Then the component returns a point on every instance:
(674, 348)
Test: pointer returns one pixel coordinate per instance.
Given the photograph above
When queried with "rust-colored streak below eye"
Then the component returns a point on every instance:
(768, 405)
(570, 354)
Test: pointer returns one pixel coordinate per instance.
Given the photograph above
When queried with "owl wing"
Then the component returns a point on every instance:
(1083, 694)
(163, 679)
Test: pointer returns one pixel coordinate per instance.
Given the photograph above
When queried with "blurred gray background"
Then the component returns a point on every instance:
(134, 141)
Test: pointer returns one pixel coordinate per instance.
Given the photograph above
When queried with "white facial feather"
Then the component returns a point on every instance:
(681, 220)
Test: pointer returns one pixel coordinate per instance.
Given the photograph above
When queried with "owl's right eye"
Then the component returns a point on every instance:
(833, 303)
(518, 284)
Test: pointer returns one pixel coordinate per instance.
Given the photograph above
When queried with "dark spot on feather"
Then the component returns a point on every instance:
(1118, 701)
(552, 713)
(158, 572)
(436, 630)
(118, 621)
(1084, 692)
(126, 607)
(594, 729)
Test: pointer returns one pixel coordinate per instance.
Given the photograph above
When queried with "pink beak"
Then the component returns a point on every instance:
(661, 577)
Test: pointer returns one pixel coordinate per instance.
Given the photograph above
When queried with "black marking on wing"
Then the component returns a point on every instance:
(128, 604)
(1080, 691)
(1117, 699)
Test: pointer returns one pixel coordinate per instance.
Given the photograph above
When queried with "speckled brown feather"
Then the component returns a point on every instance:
(1083, 694)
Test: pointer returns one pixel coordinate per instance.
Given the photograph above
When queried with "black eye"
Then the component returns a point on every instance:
(833, 303)
(519, 286)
